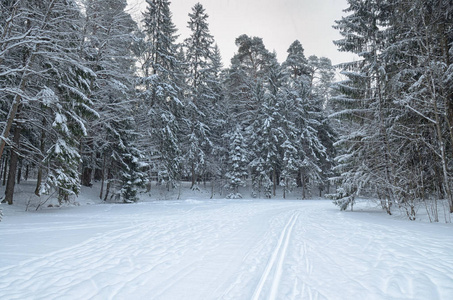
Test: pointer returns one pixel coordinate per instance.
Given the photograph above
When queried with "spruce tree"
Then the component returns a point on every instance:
(396, 102)
(110, 36)
(238, 163)
(366, 149)
(266, 133)
(311, 137)
(162, 93)
(52, 80)
(202, 92)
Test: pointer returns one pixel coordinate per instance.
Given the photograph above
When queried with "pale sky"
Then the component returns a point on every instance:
(278, 22)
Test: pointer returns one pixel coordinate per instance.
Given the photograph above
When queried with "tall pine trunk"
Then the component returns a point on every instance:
(19, 171)
(5, 171)
(9, 192)
(41, 149)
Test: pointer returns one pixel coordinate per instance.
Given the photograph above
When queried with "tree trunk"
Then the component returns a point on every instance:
(19, 171)
(10, 119)
(38, 182)
(299, 179)
(2, 162)
(303, 184)
(274, 181)
(98, 174)
(27, 171)
(5, 170)
(205, 178)
(449, 97)
(284, 188)
(9, 192)
(443, 155)
(109, 182)
(194, 176)
(23, 81)
(102, 178)
(107, 190)
(86, 177)
(212, 188)
(41, 149)
(13, 111)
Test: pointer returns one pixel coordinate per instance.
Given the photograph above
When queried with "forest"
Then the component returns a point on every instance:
(88, 94)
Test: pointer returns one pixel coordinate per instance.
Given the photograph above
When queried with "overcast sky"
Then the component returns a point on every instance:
(278, 22)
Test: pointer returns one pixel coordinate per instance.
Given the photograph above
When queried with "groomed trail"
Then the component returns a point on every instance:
(222, 249)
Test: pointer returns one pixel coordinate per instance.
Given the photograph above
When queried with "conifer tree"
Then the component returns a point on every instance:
(248, 73)
(367, 147)
(218, 119)
(394, 99)
(306, 114)
(162, 95)
(110, 35)
(201, 92)
(238, 163)
(264, 141)
(130, 161)
(248, 104)
(52, 79)
(266, 133)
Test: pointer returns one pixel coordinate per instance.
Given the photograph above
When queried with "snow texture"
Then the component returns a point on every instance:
(221, 249)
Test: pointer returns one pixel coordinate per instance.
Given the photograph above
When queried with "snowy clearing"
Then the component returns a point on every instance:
(221, 249)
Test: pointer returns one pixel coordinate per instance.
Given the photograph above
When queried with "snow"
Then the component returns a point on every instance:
(197, 248)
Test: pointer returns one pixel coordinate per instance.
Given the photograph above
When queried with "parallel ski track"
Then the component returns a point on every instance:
(276, 260)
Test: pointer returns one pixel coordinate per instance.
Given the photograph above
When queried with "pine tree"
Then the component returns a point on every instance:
(245, 98)
(322, 75)
(248, 72)
(162, 96)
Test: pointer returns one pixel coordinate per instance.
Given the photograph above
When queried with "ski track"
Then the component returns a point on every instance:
(279, 253)
(229, 250)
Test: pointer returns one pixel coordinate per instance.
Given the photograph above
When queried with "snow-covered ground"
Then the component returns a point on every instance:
(198, 248)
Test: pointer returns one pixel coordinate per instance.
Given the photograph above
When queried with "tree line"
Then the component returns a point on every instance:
(396, 103)
(89, 95)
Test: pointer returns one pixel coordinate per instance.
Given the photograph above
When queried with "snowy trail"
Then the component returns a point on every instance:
(280, 253)
(223, 249)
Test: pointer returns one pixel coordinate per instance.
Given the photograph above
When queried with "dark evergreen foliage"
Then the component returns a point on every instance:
(396, 103)
(89, 97)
